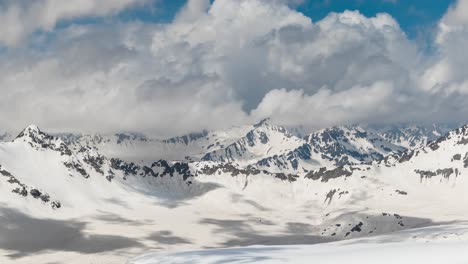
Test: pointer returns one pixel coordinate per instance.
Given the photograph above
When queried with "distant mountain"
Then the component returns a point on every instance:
(266, 145)
(331, 147)
(263, 140)
(59, 174)
(135, 147)
(412, 135)
(335, 184)
(5, 136)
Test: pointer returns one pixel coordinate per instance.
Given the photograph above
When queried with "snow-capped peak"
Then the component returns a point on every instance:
(34, 129)
(32, 132)
(263, 141)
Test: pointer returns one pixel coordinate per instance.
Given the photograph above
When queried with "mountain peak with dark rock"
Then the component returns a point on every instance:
(32, 132)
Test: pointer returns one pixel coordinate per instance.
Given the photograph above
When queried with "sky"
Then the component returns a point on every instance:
(171, 67)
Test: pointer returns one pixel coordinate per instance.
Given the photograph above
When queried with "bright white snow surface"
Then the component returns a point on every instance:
(107, 218)
(438, 245)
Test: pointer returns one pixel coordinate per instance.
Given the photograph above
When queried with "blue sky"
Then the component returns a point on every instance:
(416, 17)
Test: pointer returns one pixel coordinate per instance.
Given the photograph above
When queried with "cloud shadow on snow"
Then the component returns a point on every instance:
(175, 193)
(244, 234)
(24, 235)
(167, 238)
(112, 218)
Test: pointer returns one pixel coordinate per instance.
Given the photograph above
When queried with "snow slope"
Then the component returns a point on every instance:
(69, 203)
(435, 245)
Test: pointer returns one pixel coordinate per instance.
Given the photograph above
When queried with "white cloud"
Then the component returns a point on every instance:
(193, 10)
(327, 108)
(446, 73)
(19, 18)
(232, 62)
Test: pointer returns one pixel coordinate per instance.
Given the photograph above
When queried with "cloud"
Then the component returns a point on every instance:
(325, 107)
(446, 72)
(228, 63)
(193, 10)
(19, 18)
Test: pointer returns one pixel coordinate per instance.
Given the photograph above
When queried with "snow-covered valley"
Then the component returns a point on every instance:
(433, 245)
(67, 200)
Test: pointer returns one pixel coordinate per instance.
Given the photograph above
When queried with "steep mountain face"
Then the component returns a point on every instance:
(264, 140)
(333, 147)
(351, 145)
(412, 136)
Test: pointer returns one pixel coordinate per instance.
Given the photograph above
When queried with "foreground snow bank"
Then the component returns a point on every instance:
(407, 252)
(431, 245)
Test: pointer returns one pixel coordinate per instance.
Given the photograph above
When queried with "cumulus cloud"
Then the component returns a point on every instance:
(193, 10)
(19, 18)
(228, 63)
(446, 73)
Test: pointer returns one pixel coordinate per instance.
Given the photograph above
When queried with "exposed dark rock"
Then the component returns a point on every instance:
(291, 158)
(342, 193)
(465, 160)
(329, 196)
(5, 173)
(284, 177)
(35, 193)
(77, 167)
(45, 198)
(429, 174)
(325, 175)
(96, 162)
(21, 191)
(456, 157)
(357, 228)
(229, 168)
(463, 141)
(401, 192)
(56, 205)
(110, 175)
(406, 156)
(128, 168)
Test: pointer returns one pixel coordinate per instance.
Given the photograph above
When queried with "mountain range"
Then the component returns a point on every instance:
(63, 194)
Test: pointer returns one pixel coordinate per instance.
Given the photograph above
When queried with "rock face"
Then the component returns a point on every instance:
(411, 135)
(325, 175)
(337, 146)
(263, 141)
(40, 140)
(351, 145)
